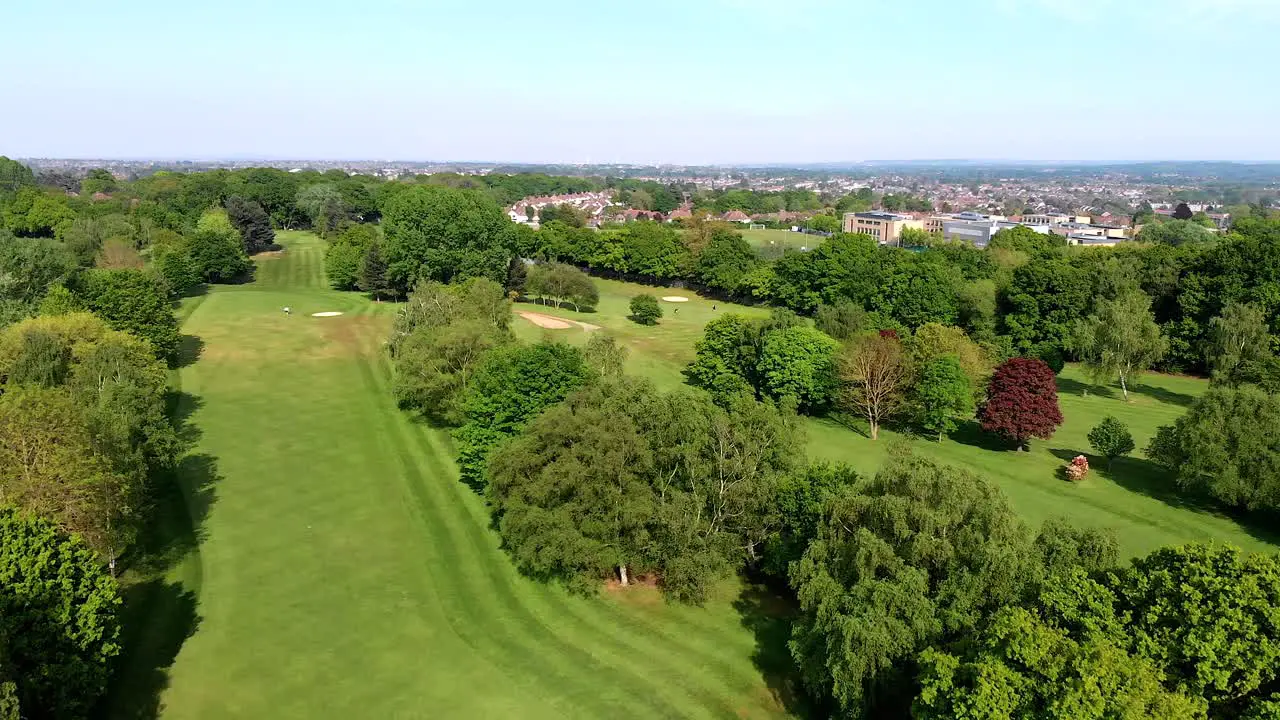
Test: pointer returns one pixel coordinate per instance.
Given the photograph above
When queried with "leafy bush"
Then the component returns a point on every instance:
(1111, 439)
(645, 309)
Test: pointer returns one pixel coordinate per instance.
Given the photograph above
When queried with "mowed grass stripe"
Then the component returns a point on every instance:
(466, 619)
(692, 635)
(345, 574)
(620, 634)
(529, 643)
(518, 592)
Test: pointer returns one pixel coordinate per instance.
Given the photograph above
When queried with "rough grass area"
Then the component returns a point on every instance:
(318, 557)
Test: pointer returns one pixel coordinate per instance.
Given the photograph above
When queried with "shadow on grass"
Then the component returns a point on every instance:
(157, 619)
(1070, 386)
(768, 615)
(189, 349)
(1145, 477)
(971, 433)
(160, 612)
(1163, 395)
(850, 422)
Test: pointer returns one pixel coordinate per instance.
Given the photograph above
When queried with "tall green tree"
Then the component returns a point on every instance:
(798, 363)
(252, 222)
(1021, 667)
(441, 336)
(323, 205)
(344, 255)
(439, 233)
(509, 389)
(921, 555)
(372, 275)
(1227, 445)
(1239, 344)
(1120, 340)
(28, 267)
(1208, 616)
(133, 301)
(58, 613)
(944, 394)
(572, 494)
(13, 177)
(216, 250)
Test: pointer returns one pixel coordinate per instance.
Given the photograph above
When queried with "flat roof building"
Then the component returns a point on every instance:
(979, 232)
(885, 227)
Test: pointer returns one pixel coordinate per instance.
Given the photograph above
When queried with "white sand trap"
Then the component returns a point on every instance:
(331, 313)
(675, 298)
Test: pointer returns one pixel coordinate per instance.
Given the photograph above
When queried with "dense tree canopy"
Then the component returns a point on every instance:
(509, 388)
(441, 336)
(1022, 402)
(1021, 667)
(134, 301)
(58, 617)
(1227, 445)
(921, 554)
(439, 233)
(619, 481)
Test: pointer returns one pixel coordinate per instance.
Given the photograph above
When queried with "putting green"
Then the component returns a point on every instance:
(341, 570)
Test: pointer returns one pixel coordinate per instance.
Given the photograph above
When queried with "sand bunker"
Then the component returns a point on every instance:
(331, 313)
(675, 298)
(554, 323)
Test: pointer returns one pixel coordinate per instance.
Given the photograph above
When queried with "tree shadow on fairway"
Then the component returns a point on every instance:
(1145, 477)
(1069, 386)
(971, 433)
(159, 611)
(1164, 395)
(768, 616)
(189, 349)
(156, 620)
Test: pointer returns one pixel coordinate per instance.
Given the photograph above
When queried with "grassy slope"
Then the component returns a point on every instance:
(1134, 498)
(342, 571)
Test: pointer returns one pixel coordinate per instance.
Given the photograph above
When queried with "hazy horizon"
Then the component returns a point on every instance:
(724, 82)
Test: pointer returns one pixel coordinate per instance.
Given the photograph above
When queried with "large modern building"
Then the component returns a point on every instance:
(886, 227)
(978, 230)
(1083, 230)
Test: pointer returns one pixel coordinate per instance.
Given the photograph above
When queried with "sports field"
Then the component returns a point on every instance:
(340, 570)
(771, 243)
(1134, 498)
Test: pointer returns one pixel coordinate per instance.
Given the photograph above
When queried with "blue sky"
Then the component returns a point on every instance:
(692, 81)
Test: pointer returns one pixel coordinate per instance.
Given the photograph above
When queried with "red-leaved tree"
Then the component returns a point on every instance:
(1022, 402)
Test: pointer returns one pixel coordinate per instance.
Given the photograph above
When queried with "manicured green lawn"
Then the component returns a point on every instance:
(339, 569)
(1135, 498)
(771, 243)
(658, 352)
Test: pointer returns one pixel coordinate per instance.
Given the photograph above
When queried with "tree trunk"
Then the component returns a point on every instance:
(875, 430)
(622, 575)
(1124, 388)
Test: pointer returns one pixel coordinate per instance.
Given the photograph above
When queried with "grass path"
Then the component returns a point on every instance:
(339, 569)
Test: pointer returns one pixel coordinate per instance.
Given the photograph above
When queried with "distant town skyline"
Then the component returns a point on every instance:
(723, 82)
